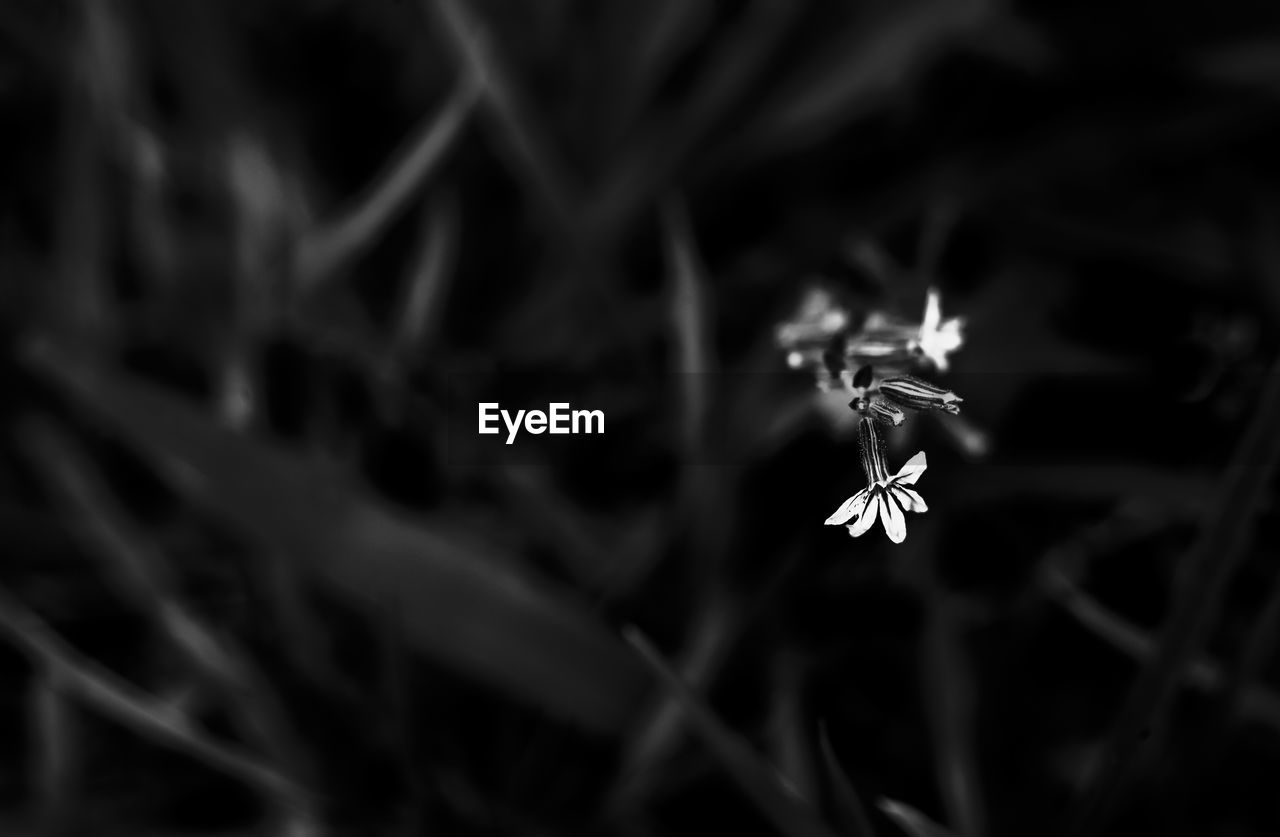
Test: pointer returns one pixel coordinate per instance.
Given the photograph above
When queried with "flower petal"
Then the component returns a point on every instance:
(909, 499)
(867, 517)
(932, 311)
(912, 470)
(850, 508)
(895, 522)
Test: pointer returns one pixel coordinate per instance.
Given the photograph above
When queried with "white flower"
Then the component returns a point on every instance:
(938, 337)
(889, 498)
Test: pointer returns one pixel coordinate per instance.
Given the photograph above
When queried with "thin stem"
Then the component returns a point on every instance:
(514, 125)
(129, 706)
(323, 250)
(1256, 703)
(1209, 565)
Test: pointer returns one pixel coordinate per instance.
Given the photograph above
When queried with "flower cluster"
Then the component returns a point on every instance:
(822, 329)
(887, 495)
(873, 365)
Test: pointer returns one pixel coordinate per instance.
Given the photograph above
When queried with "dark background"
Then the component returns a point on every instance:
(260, 260)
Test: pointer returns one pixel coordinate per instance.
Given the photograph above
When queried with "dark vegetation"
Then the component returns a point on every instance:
(260, 260)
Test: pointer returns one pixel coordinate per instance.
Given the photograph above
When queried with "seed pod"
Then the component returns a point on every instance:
(915, 394)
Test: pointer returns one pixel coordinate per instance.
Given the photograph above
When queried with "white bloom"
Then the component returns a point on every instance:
(889, 498)
(938, 337)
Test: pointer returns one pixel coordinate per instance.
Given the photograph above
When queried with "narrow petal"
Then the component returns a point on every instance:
(895, 522)
(867, 517)
(932, 311)
(912, 470)
(909, 500)
(942, 341)
(850, 508)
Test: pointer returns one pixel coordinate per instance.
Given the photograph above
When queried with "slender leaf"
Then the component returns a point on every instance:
(912, 821)
(760, 782)
(852, 813)
(329, 246)
(129, 706)
(1255, 703)
(950, 694)
(885, 47)
(1208, 565)
(468, 608)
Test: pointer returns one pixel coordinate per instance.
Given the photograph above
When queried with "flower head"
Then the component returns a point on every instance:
(938, 337)
(888, 498)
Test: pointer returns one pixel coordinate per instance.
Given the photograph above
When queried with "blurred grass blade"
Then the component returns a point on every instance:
(658, 36)
(759, 782)
(1258, 651)
(92, 88)
(1206, 571)
(939, 230)
(141, 573)
(29, 40)
(131, 567)
(689, 318)
(1181, 493)
(738, 65)
(428, 281)
(467, 608)
(514, 128)
(1018, 43)
(57, 754)
(789, 740)
(878, 53)
(912, 821)
(608, 558)
(950, 695)
(1253, 64)
(705, 494)
(852, 813)
(1256, 704)
(659, 731)
(127, 705)
(659, 152)
(326, 248)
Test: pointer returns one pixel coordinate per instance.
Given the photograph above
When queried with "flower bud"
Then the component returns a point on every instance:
(915, 394)
(886, 412)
